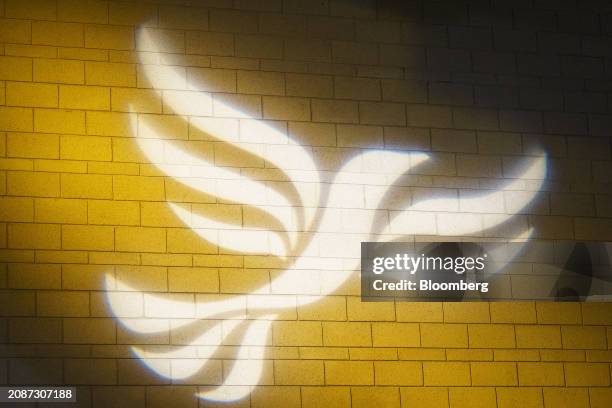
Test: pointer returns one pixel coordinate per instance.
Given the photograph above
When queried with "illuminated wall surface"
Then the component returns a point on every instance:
(186, 183)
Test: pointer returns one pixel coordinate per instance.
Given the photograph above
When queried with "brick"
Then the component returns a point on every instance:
(89, 331)
(369, 311)
(91, 371)
(479, 166)
(34, 276)
(349, 373)
(573, 397)
(525, 396)
(583, 337)
(15, 68)
(296, 372)
(406, 56)
(347, 334)
(418, 311)
(357, 88)
(313, 134)
(59, 71)
(84, 277)
(404, 91)
(359, 136)
(469, 355)
(85, 148)
(429, 116)
(446, 373)
(136, 100)
(336, 397)
(160, 40)
(596, 313)
(233, 21)
(131, 14)
(187, 241)
(453, 140)
(497, 374)
(113, 395)
(547, 374)
(538, 337)
(599, 397)
(36, 9)
(308, 50)
(109, 37)
(61, 34)
(86, 186)
(382, 113)
(187, 279)
(138, 188)
(84, 97)
(334, 111)
(319, 86)
(565, 123)
(109, 123)
(267, 83)
(286, 108)
(256, 46)
(34, 236)
(444, 335)
(161, 126)
(59, 121)
(53, 210)
(63, 303)
(18, 303)
(354, 53)
(434, 397)
(15, 31)
(146, 278)
(113, 212)
(365, 396)
(395, 335)
(32, 145)
(41, 371)
(131, 372)
(562, 355)
(326, 308)
(207, 43)
(33, 184)
(16, 209)
(30, 94)
(140, 239)
(16, 119)
(87, 237)
(398, 373)
(491, 336)
(468, 312)
(451, 94)
(110, 74)
(237, 106)
(558, 313)
(85, 54)
(89, 11)
(274, 396)
(587, 374)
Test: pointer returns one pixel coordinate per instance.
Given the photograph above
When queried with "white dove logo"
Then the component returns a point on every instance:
(300, 211)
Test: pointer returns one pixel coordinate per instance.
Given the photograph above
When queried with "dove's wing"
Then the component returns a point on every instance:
(257, 138)
(465, 211)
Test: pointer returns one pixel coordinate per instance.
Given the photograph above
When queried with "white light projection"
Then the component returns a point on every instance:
(312, 232)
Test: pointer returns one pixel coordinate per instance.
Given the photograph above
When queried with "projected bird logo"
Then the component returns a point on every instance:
(303, 222)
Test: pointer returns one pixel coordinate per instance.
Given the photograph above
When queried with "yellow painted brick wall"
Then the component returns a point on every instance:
(476, 85)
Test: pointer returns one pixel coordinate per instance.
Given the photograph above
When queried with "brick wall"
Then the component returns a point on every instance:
(478, 85)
